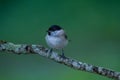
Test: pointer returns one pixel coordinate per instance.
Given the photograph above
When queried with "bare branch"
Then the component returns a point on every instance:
(39, 49)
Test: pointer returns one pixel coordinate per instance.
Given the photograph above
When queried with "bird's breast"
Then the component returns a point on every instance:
(56, 42)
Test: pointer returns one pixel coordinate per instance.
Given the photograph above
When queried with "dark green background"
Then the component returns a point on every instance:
(93, 26)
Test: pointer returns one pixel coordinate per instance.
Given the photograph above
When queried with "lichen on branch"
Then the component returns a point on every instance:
(39, 49)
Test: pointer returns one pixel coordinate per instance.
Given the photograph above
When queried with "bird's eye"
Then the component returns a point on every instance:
(49, 33)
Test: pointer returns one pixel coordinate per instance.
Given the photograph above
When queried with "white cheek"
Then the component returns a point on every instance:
(60, 32)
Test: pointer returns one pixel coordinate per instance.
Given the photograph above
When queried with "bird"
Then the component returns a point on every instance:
(56, 38)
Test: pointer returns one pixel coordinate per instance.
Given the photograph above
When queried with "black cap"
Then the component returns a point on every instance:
(54, 28)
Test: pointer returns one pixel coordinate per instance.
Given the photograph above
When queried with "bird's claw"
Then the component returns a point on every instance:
(63, 56)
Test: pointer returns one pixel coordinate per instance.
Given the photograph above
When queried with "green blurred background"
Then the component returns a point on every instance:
(93, 26)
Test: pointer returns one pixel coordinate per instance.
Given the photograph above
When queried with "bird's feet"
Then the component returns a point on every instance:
(51, 50)
(62, 55)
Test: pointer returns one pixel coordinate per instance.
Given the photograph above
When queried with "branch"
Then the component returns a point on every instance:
(39, 49)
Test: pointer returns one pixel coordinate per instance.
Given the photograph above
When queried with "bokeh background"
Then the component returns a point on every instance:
(93, 26)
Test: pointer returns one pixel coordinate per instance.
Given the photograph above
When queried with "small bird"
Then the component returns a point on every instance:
(56, 38)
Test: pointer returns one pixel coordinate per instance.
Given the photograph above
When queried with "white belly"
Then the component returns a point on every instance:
(56, 42)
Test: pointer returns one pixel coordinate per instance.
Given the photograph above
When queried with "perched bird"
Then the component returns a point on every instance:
(56, 38)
